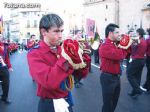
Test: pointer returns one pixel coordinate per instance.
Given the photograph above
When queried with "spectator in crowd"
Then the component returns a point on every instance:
(5, 67)
(31, 43)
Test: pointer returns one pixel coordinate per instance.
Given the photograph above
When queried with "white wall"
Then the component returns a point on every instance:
(130, 13)
(99, 13)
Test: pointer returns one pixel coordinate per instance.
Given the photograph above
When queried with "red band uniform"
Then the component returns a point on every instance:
(50, 70)
(4, 73)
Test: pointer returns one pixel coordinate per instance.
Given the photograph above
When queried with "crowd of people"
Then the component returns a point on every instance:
(57, 65)
(7, 48)
(111, 55)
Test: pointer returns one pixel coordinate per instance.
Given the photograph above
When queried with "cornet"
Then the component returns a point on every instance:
(136, 40)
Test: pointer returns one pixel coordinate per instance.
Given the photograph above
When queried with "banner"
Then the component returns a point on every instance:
(90, 27)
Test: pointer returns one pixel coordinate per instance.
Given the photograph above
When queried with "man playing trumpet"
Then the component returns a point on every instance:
(134, 70)
(111, 52)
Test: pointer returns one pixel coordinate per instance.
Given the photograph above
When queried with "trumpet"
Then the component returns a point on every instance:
(2, 63)
(136, 40)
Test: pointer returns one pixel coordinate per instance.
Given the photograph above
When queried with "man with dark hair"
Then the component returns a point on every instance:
(50, 68)
(31, 42)
(110, 55)
(131, 33)
(47, 66)
(134, 70)
(78, 75)
(140, 32)
(78, 35)
(110, 28)
(146, 85)
(5, 67)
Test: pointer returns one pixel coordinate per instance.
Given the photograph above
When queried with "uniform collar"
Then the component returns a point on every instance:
(45, 48)
(109, 41)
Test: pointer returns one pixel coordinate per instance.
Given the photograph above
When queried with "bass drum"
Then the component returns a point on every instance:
(95, 45)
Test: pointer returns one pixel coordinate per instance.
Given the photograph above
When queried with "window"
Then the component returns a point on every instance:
(28, 35)
(35, 13)
(106, 6)
(28, 23)
(35, 23)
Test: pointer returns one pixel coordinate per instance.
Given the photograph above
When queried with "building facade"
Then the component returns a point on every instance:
(126, 13)
(24, 23)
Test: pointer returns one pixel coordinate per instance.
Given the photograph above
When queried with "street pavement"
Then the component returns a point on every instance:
(88, 98)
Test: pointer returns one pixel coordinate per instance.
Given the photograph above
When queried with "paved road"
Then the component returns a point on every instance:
(88, 98)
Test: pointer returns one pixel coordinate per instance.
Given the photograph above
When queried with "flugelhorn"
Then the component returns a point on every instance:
(136, 40)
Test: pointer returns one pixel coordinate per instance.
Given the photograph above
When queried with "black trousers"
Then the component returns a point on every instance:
(96, 56)
(46, 105)
(4, 77)
(110, 90)
(134, 72)
(147, 82)
(77, 79)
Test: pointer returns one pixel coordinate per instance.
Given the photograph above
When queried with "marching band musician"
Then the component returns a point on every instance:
(5, 67)
(130, 34)
(31, 43)
(111, 54)
(78, 75)
(146, 85)
(51, 66)
(134, 70)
